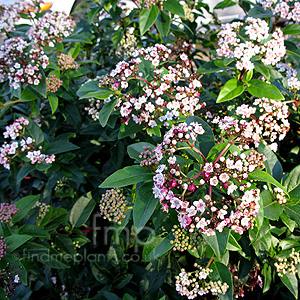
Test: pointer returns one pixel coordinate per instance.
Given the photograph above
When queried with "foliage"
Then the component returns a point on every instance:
(149, 152)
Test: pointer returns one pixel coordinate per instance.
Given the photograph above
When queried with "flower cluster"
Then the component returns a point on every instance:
(43, 209)
(53, 83)
(188, 13)
(286, 9)
(291, 76)
(113, 205)
(288, 265)
(51, 28)
(3, 247)
(20, 63)
(8, 17)
(163, 98)
(266, 121)
(175, 189)
(199, 283)
(148, 3)
(9, 279)
(280, 195)
(21, 144)
(127, 44)
(256, 43)
(94, 108)
(149, 159)
(7, 211)
(240, 285)
(184, 240)
(67, 62)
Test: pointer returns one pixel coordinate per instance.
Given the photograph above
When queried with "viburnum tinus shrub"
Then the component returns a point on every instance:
(146, 153)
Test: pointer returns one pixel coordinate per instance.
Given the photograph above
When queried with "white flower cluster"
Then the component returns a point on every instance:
(255, 43)
(266, 121)
(161, 100)
(8, 17)
(199, 283)
(291, 76)
(51, 28)
(288, 265)
(174, 188)
(280, 195)
(20, 144)
(286, 9)
(21, 63)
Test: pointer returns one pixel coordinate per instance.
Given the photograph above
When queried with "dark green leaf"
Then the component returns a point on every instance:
(218, 242)
(28, 95)
(33, 230)
(291, 282)
(61, 147)
(33, 130)
(163, 23)
(127, 176)
(272, 209)
(106, 111)
(53, 100)
(144, 206)
(263, 70)
(24, 171)
(42, 87)
(174, 7)
(147, 18)
(15, 241)
(24, 205)
(225, 3)
(134, 150)
(292, 29)
(292, 183)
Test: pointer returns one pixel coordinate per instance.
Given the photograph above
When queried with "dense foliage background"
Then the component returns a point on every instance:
(149, 151)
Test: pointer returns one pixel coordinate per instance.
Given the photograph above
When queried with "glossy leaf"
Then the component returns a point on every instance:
(25, 206)
(106, 111)
(292, 183)
(53, 100)
(127, 176)
(232, 89)
(144, 206)
(147, 18)
(260, 89)
(163, 23)
(174, 7)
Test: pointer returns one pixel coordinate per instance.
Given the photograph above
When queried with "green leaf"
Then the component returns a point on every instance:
(33, 130)
(233, 245)
(53, 100)
(293, 52)
(174, 7)
(24, 171)
(65, 244)
(204, 141)
(267, 273)
(15, 241)
(259, 175)
(260, 89)
(272, 209)
(129, 129)
(213, 67)
(123, 281)
(81, 210)
(28, 95)
(221, 272)
(25, 206)
(272, 164)
(60, 147)
(292, 29)
(42, 87)
(101, 93)
(289, 223)
(106, 111)
(293, 212)
(128, 297)
(218, 242)
(148, 17)
(232, 89)
(156, 246)
(263, 70)
(77, 38)
(163, 23)
(53, 259)
(33, 230)
(88, 87)
(291, 282)
(58, 217)
(292, 183)
(225, 3)
(127, 176)
(144, 206)
(134, 150)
